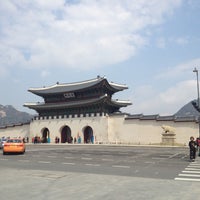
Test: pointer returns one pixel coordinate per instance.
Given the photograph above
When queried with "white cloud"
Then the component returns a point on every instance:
(85, 34)
(182, 91)
(182, 40)
(161, 43)
(172, 89)
(148, 100)
(182, 70)
(44, 73)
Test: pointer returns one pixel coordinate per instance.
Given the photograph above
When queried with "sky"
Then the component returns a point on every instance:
(152, 46)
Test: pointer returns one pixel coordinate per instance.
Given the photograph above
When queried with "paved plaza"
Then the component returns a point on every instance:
(47, 172)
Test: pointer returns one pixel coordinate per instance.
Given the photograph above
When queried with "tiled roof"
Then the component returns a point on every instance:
(68, 87)
(162, 118)
(72, 104)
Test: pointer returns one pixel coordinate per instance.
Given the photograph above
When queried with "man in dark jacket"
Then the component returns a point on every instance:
(192, 145)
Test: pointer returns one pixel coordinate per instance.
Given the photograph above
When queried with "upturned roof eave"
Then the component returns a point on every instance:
(105, 98)
(70, 87)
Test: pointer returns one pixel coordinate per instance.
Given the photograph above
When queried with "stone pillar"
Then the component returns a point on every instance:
(168, 138)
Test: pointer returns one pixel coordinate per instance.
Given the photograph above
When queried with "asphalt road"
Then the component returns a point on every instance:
(99, 171)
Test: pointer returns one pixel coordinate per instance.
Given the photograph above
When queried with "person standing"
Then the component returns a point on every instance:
(198, 145)
(192, 146)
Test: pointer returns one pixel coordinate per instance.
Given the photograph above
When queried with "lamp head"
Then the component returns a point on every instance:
(195, 70)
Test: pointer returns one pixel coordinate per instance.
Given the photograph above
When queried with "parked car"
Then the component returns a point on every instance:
(14, 145)
(2, 141)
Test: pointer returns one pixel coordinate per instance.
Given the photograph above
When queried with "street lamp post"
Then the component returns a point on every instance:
(198, 100)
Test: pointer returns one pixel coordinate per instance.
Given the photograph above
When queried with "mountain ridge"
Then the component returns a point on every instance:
(9, 115)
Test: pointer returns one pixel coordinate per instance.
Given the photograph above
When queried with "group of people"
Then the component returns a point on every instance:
(68, 140)
(194, 145)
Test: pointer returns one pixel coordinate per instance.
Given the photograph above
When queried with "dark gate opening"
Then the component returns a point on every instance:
(66, 135)
(45, 135)
(88, 135)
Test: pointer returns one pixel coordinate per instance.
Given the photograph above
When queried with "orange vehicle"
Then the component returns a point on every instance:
(14, 145)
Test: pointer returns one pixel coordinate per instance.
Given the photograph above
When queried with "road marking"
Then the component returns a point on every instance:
(24, 160)
(195, 163)
(68, 163)
(123, 153)
(174, 155)
(85, 154)
(95, 165)
(192, 172)
(44, 162)
(68, 157)
(190, 175)
(187, 179)
(166, 155)
(121, 166)
(158, 158)
(188, 168)
(149, 162)
(106, 159)
(83, 158)
(194, 166)
(3, 159)
(51, 156)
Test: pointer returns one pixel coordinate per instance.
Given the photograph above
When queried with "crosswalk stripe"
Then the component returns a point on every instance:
(190, 173)
(187, 179)
(195, 166)
(188, 168)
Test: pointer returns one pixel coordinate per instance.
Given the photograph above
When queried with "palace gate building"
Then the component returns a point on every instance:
(76, 111)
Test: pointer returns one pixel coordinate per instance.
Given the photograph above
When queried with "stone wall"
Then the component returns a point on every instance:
(22, 131)
(115, 129)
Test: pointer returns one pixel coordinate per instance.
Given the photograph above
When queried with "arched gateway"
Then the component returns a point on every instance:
(45, 135)
(88, 135)
(66, 135)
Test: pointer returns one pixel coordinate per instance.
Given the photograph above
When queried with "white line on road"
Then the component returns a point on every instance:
(51, 156)
(121, 166)
(194, 166)
(106, 159)
(24, 160)
(83, 158)
(68, 157)
(166, 155)
(3, 159)
(44, 162)
(95, 165)
(188, 168)
(174, 155)
(194, 163)
(149, 162)
(68, 163)
(86, 154)
(192, 172)
(187, 179)
(158, 158)
(190, 175)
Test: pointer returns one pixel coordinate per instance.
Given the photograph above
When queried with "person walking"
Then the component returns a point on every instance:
(192, 146)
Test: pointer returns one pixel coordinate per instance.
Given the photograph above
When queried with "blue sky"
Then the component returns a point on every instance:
(150, 45)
